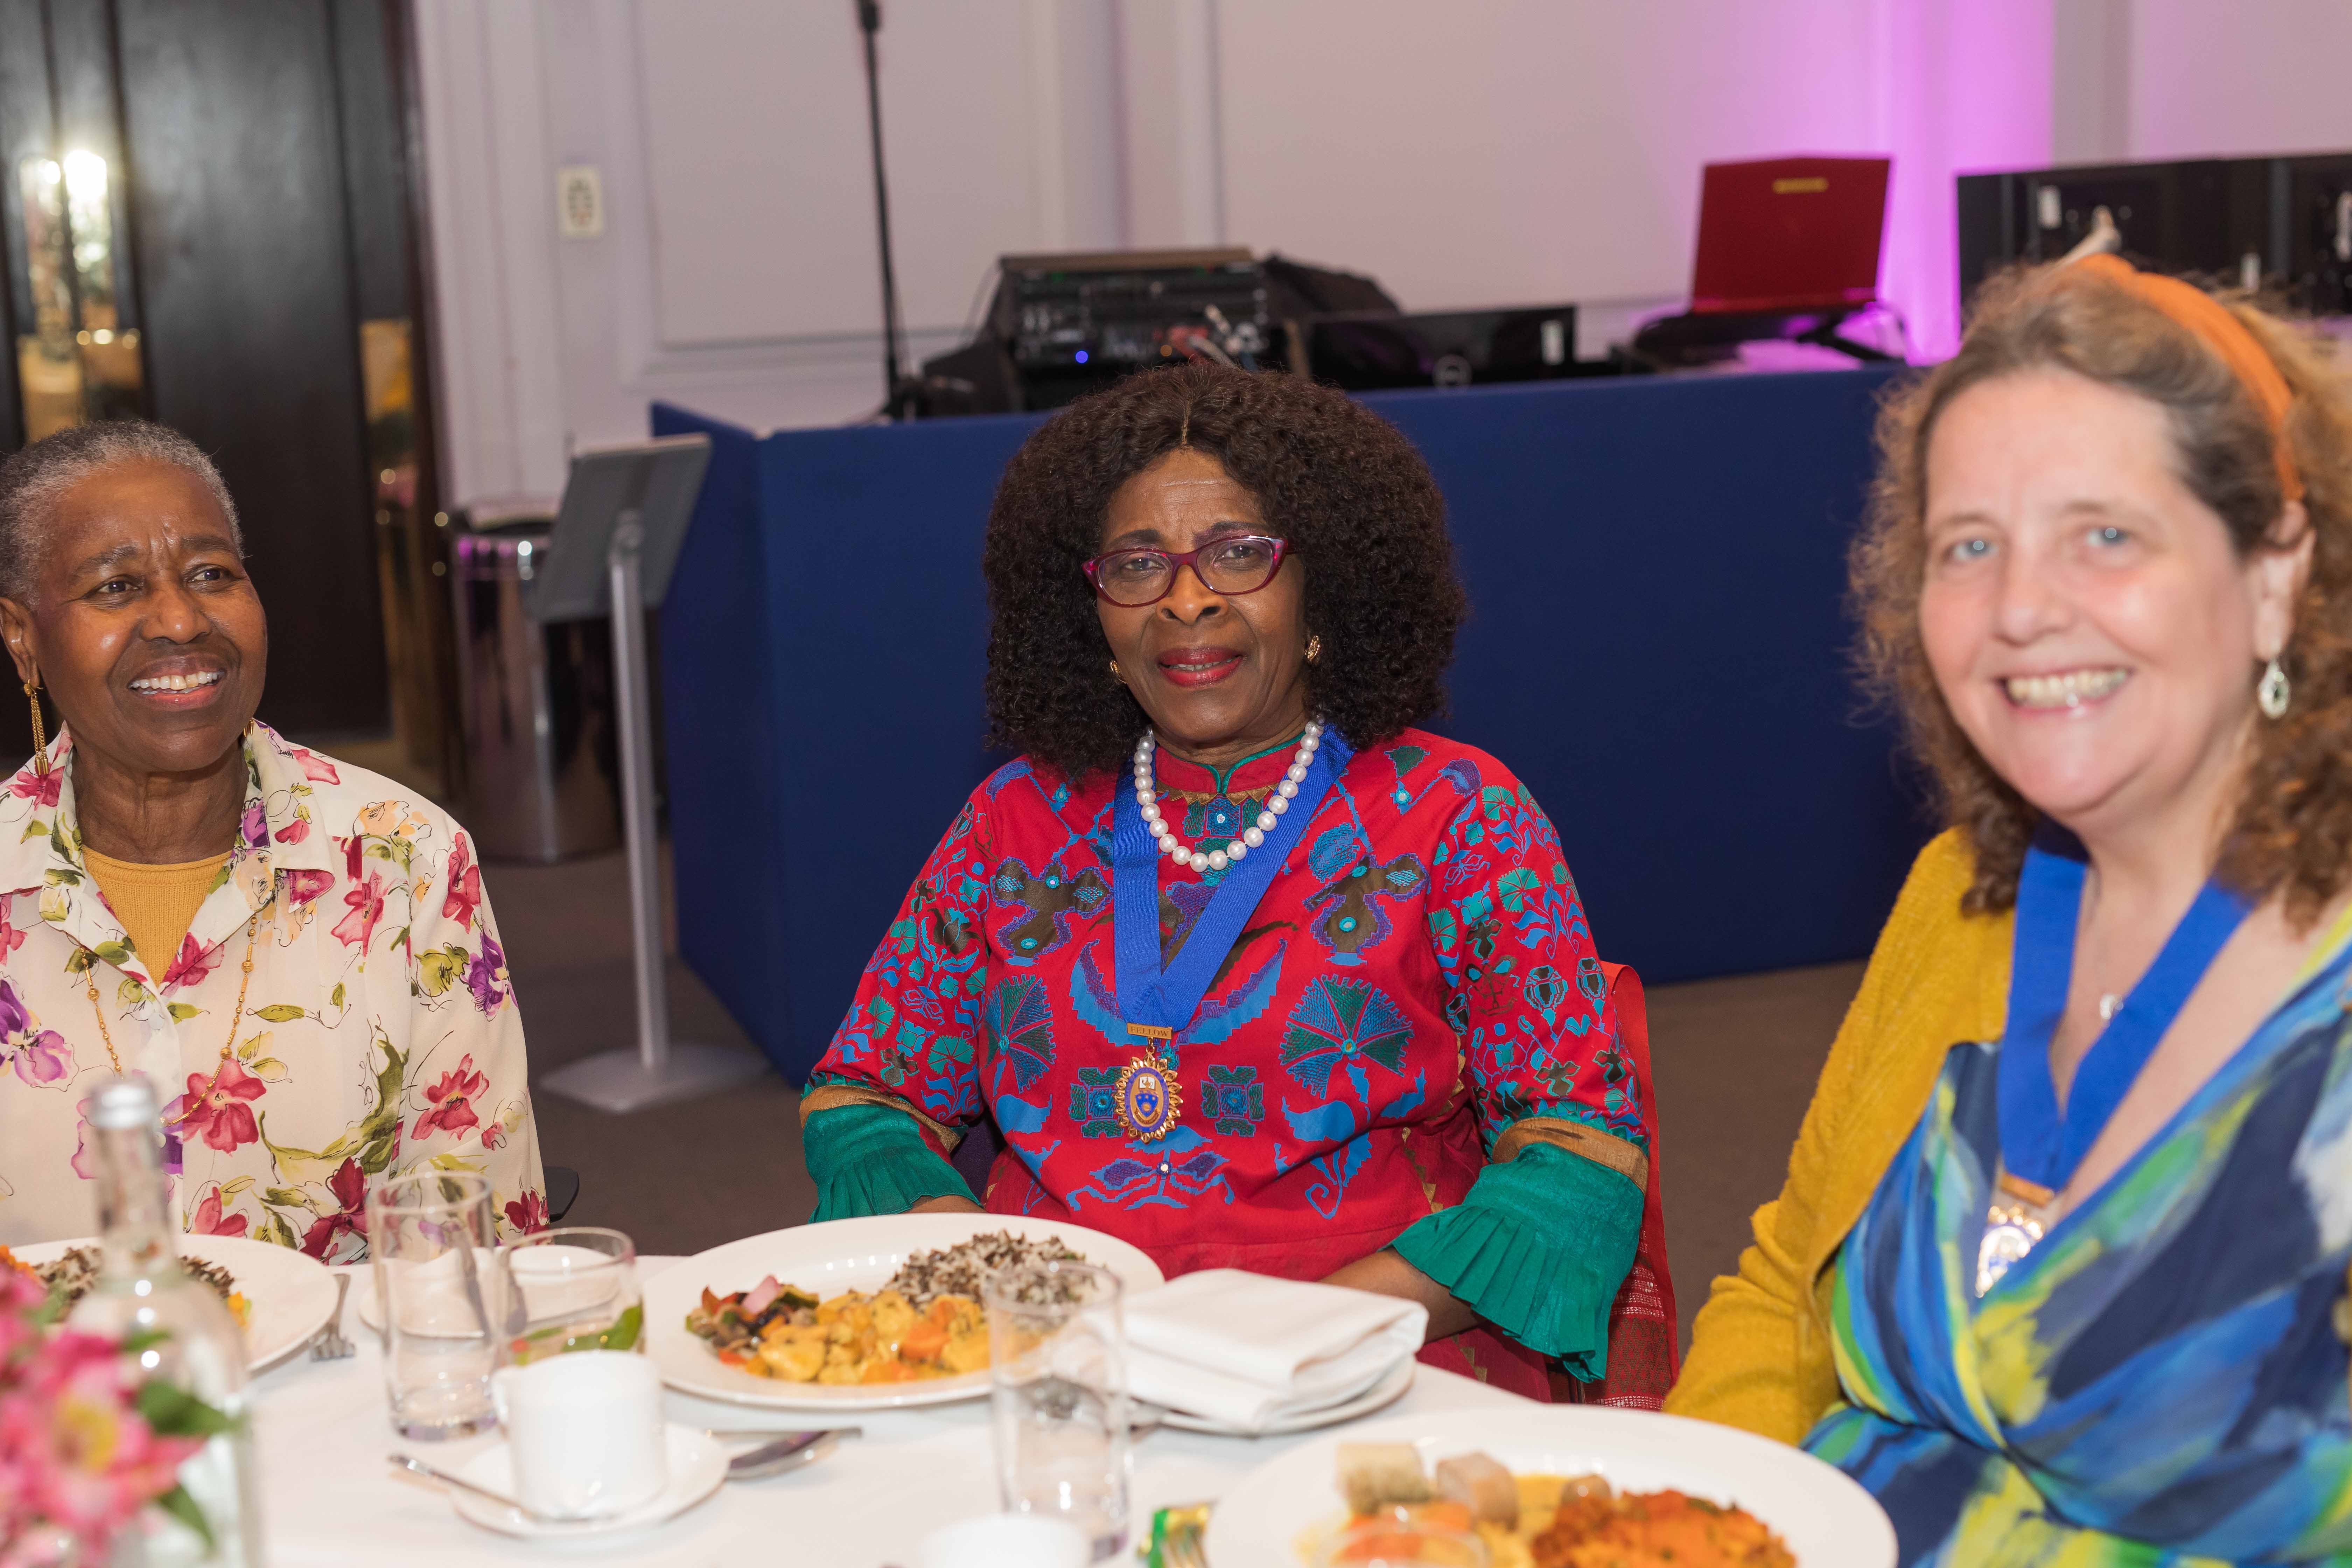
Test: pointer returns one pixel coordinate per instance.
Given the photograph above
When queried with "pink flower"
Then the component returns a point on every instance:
(528, 1212)
(252, 828)
(492, 1135)
(77, 1461)
(366, 900)
(293, 832)
(465, 894)
(41, 789)
(349, 1189)
(39, 1055)
(11, 939)
(354, 853)
(208, 1220)
(305, 886)
(219, 1112)
(452, 1097)
(189, 967)
(315, 767)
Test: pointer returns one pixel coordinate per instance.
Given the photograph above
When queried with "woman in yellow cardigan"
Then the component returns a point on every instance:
(2059, 1270)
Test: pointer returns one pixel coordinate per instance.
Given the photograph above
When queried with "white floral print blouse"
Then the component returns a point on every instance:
(379, 1032)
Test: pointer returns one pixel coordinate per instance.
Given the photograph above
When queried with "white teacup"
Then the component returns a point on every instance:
(585, 1432)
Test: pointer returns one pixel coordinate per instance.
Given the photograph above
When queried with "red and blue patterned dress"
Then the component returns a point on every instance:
(1410, 1045)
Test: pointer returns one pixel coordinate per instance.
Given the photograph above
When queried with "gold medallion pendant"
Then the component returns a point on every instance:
(1146, 1100)
(2015, 1226)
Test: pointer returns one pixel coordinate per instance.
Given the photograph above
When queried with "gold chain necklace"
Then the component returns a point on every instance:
(97, 1010)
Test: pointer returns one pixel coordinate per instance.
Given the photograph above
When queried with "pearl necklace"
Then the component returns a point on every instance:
(1147, 798)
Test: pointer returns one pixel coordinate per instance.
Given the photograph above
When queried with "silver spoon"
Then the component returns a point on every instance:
(484, 1493)
(789, 1452)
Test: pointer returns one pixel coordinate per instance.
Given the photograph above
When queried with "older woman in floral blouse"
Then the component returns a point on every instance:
(296, 952)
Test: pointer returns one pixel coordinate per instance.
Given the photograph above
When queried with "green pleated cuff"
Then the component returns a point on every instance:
(1539, 1248)
(870, 1159)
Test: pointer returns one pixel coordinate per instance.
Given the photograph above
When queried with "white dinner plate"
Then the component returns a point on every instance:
(698, 1465)
(840, 1255)
(1827, 1521)
(291, 1294)
(1385, 1390)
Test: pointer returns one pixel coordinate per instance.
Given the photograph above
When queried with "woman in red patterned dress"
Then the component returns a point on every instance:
(1245, 969)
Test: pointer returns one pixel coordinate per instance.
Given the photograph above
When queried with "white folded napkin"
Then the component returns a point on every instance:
(1249, 1350)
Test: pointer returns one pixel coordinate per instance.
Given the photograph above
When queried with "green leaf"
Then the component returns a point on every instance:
(335, 998)
(183, 1011)
(182, 1507)
(436, 969)
(269, 1069)
(78, 960)
(128, 992)
(622, 1334)
(279, 1012)
(114, 953)
(37, 828)
(173, 1412)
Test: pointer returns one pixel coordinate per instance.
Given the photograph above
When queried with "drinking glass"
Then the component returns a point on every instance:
(578, 1290)
(444, 1300)
(1057, 1374)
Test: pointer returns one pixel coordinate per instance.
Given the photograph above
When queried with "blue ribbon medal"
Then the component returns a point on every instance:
(1155, 1004)
(2042, 1148)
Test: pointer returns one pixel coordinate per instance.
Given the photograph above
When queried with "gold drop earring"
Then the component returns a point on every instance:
(1313, 650)
(40, 740)
(1115, 675)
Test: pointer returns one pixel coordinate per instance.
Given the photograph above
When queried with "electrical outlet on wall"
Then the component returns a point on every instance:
(578, 200)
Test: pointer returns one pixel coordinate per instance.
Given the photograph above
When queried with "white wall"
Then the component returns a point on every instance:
(1469, 152)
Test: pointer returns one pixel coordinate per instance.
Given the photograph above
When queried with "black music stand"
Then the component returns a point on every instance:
(624, 513)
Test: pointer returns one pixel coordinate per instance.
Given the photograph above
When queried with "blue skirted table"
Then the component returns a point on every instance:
(1658, 645)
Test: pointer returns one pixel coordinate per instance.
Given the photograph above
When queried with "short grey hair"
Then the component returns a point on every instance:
(32, 479)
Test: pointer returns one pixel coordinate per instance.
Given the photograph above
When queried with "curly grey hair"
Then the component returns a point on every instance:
(32, 479)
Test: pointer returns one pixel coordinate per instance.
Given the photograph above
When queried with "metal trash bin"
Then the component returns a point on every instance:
(543, 767)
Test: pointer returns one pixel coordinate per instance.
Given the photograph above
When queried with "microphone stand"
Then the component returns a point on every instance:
(899, 391)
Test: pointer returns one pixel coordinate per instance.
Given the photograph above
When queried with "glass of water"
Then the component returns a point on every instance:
(578, 1290)
(1057, 1370)
(444, 1301)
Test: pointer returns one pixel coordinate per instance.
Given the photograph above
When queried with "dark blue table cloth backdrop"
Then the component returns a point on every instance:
(1659, 646)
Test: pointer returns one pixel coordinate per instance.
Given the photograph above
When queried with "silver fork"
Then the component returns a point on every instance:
(330, 1344)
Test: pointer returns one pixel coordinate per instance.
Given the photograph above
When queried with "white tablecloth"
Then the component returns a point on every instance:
(330, 1499)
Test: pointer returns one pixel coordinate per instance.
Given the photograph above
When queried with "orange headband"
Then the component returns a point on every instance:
(2189, 306)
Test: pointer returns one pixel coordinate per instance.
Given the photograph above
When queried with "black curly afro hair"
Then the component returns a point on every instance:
(1346, 489)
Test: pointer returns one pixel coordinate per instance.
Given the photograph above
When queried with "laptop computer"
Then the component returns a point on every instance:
(1788, 247)
(1789, 234)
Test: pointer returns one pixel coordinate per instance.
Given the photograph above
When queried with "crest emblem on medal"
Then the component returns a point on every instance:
(1147, 1100)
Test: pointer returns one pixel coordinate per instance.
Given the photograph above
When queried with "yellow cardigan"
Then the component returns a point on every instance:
(1760, 1350)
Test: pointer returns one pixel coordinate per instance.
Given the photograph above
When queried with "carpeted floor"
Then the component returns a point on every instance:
(1734, 1061)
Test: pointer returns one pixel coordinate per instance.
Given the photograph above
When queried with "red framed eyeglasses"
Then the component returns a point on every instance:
(1234, 564)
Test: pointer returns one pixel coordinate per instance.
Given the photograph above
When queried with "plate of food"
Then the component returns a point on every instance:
(279, 1297)
(855, 1314)
(1559, 1486)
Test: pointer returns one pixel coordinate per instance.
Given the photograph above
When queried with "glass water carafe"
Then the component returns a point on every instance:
(143, 1290)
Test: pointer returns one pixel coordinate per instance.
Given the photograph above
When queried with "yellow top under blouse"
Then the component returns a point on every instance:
(155, 903)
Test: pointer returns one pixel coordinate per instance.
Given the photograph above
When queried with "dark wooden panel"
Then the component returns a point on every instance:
(375, 180)
(237, 171)
(25, 129)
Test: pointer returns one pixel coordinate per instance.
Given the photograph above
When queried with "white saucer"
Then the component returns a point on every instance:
(1385, 1392)
(698, 1467)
